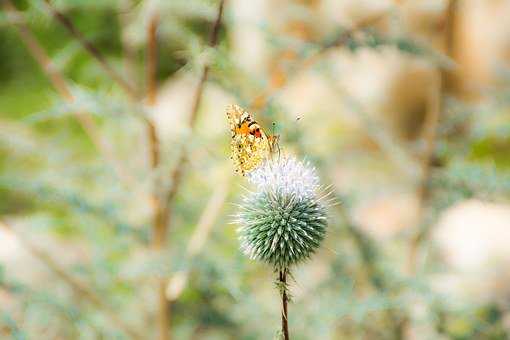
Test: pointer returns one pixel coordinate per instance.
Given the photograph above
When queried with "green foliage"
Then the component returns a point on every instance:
(86, 201)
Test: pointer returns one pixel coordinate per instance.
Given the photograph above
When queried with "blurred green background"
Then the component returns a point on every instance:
(117, 191)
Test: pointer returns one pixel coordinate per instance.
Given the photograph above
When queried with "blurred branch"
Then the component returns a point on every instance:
(208, 217)
(430, 133)
(151, 71)
(309, 61)
(347, 35)
(176, 173)
(91, 49)
(163, 208)
(366, 248)
(78, 287)
(128, 89)
(200, 235)
(369, 255)
(152, 58)
(23, 294)
(441, 83)
(58, 82)
(45, 193)
(389, 146)
(441, 79)
(128, 47)
(40, 55)
(159, 236)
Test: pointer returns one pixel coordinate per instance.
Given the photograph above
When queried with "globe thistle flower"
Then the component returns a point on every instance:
(283, 221)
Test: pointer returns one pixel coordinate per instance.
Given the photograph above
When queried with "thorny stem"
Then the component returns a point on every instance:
(285, 322)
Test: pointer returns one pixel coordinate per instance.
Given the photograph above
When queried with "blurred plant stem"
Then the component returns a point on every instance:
(282, 277)
(389, 146)
(90, 48)
(152, 59)
(210, 214)
(129, 51)
(308, 61)
(60, 85)
(163, 204)
(369, 254)
(176, 173)
(429, 136)
(442, 83)
(130, 91)
(77, 286)
(159, 225)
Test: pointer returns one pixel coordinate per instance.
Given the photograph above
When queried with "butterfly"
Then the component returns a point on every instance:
(250, 145)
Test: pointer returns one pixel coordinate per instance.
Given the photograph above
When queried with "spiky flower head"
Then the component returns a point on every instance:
(283, 221)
